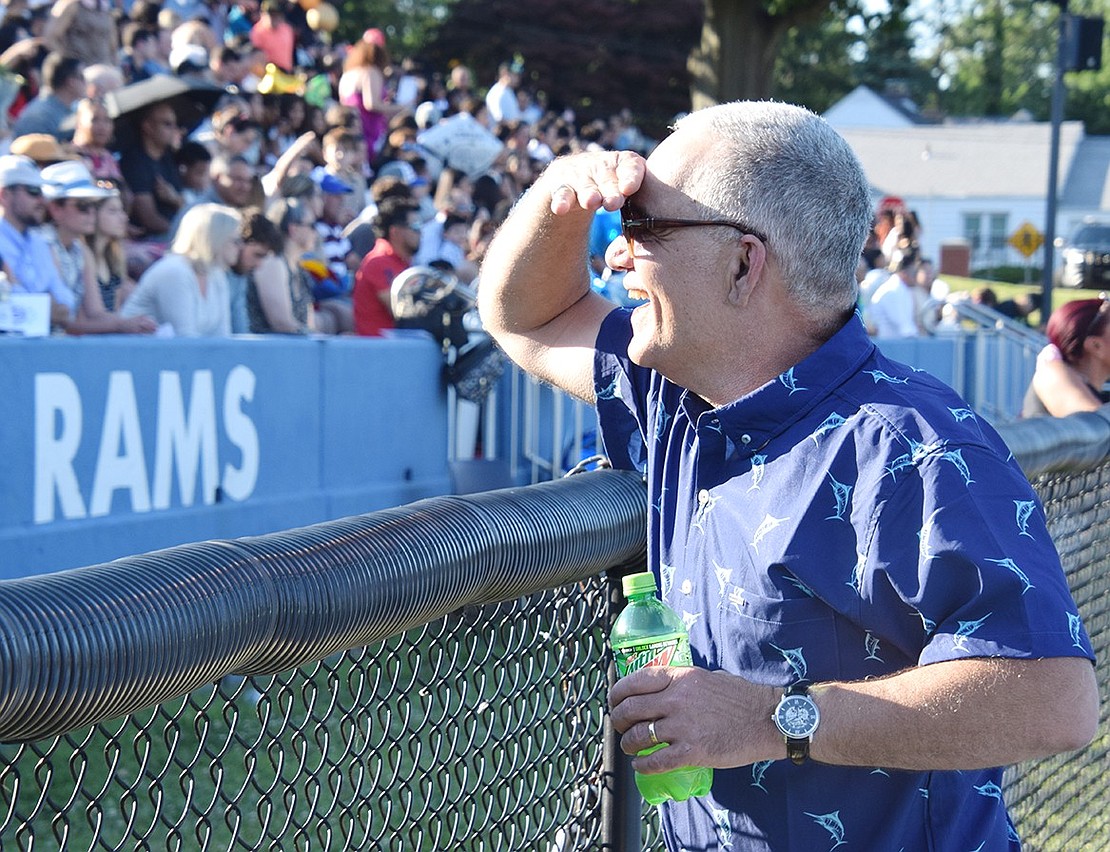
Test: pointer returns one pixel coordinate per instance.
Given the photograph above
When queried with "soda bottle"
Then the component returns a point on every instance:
(649, 633)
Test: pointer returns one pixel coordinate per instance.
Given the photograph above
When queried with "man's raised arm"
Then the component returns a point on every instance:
(534, 289)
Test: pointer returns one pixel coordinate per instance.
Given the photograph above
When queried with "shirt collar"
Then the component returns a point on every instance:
(772, 408)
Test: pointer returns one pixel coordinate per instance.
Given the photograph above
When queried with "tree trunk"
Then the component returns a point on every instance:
(739, 41)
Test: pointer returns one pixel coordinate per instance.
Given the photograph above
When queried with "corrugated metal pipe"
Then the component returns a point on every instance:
(83, 646)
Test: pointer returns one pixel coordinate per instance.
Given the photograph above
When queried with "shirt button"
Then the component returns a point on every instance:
(745, 439)
(703, 496)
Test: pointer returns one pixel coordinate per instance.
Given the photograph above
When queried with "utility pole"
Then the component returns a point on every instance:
(1059, 93)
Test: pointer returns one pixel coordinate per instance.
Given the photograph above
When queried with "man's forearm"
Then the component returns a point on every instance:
(535, 267)
(963, 714)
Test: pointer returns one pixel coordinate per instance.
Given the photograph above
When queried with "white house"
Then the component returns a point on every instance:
(977, 180)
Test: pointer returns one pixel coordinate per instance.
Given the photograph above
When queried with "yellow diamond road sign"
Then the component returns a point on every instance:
(1027, 239)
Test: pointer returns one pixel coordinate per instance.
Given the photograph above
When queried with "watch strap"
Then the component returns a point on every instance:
(797, 748)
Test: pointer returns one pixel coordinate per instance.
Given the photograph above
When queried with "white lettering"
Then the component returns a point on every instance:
(120, 462)
(239, 482)
(57, 403)
(185, 443)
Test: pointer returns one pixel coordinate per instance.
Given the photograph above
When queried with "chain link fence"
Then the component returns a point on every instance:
(481, 730)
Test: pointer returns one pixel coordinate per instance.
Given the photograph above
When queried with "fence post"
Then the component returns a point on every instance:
(620, 799)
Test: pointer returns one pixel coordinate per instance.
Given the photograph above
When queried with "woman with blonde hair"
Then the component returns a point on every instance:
(362, 86)
(187, 289)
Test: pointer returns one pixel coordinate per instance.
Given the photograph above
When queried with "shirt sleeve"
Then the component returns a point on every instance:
(961, 564)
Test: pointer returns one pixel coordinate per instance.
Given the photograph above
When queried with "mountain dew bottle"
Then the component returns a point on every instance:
(649, 633)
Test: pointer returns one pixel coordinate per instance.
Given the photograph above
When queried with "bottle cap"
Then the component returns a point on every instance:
(638, 584)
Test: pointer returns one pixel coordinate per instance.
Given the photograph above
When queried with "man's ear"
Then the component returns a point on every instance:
(742, 280)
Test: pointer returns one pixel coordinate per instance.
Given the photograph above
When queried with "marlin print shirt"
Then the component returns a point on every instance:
(849, 519)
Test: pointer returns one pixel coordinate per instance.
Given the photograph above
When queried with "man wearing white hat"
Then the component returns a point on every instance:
(72, 200)
(25, 254)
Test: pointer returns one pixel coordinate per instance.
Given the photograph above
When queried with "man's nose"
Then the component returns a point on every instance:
(618, 256)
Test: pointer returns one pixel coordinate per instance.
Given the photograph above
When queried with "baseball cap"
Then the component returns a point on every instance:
(329, 183)
(71, 179)
(18, 170)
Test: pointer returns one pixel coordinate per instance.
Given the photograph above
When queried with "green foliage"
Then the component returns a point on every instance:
(815, 65)
(594, 58)
(1008, 274)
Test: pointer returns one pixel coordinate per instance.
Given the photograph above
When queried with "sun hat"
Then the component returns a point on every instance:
(18, 170)
(72, 179)
(43, 148)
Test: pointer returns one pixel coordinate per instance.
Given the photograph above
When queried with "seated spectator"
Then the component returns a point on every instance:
(26, 255)
(280, 300)
(447, 238)
(108, 259)
(63, 85)
(345, 159)
(1073, 369)
(73, 198)
(141, 54)
(187, 289)
(194, 164)
(261, 239)
(1020, 307)
(91, 136)
(151, 174)
(101, 79)
(43, 148)
(397, 226)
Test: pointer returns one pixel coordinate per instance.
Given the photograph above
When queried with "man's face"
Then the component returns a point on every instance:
(250, 255)
(684, 274)
(24, 205)
(74, 216)
(160, 126)
(336, 210)
(234, 185)
(406, 238)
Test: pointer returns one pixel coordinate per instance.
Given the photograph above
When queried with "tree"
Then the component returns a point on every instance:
(593, 58)
(735, 58)
(818, 63)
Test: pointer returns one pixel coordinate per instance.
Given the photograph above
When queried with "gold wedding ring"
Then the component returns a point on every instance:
(651, 733)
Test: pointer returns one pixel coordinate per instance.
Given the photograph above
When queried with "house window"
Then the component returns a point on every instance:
(999, 232)
(973, 230)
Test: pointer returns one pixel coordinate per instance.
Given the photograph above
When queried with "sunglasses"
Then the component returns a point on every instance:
(33, 191)
(84, 206)
(645, 230)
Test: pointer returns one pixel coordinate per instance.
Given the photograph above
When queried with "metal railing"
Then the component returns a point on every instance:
(469, 712)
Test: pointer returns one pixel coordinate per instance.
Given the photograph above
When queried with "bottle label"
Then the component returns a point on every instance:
(671, 651)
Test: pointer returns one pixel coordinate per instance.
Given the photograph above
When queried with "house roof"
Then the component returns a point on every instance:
(864, 107)
(973, 159)
(1088, 180)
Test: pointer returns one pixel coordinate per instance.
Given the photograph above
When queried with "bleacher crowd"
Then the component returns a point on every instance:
(317, 171)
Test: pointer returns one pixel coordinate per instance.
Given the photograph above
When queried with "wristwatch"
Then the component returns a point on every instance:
(797, 717)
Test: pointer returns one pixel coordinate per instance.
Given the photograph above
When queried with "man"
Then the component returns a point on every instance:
(151, 172)
(892, 311)
(72, 200)
(397, 226)
(26, 256)
(825, 520)
(501, 98)
(63, 86)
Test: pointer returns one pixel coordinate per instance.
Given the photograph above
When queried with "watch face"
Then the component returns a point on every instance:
(797, 716)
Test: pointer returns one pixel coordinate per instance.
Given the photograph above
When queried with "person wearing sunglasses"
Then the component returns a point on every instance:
(873, 633)
(72, 199)
(1073, 369)
(26, 255)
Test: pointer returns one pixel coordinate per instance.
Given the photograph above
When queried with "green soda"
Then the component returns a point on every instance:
(649, 633)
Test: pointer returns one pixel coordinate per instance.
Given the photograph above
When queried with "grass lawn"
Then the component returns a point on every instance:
(1004, 291)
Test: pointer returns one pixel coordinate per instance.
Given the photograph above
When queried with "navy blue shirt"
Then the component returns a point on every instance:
(849, 519)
